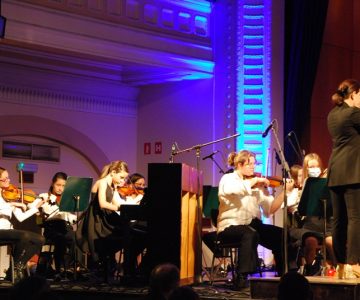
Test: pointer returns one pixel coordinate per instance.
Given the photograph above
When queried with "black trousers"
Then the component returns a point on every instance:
(271, 237)
(346, 226)
(61, 234)
(248, 241)
(26, 243)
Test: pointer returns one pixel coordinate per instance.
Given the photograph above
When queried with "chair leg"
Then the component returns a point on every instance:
(212, 270)
(232, 264)
(12, 267)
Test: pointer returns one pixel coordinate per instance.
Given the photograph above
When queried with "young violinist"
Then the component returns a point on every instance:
(313, 167)
(132, 194)
(101, 228)
(26, 243)
(58, 225)
(241, 204)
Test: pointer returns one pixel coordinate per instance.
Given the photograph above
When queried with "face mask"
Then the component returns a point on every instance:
(314, 172)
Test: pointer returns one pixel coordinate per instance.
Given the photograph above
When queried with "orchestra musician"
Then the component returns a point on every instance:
(241, 203)
(26, 243)
(132, 194)
(101, 230)
(306, 231)
(58, 225)
(313, 167)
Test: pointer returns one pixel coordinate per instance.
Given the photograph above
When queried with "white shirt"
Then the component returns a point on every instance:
(52, 210)
(293, 199)
(239, 204)
(7, 210)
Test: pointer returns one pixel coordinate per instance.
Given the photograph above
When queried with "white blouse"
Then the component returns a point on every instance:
(239, 204)
(7, 210)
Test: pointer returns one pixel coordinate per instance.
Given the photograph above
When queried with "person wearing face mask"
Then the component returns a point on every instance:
(343, 123)
(313, 167)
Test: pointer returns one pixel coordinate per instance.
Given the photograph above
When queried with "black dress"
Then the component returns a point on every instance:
(101, 232)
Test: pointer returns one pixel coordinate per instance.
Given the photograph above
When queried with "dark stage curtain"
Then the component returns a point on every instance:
(304, 27)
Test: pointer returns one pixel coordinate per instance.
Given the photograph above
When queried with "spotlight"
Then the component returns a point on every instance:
(2, 26)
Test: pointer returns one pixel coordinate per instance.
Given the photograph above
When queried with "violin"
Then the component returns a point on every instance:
(13, 194)
(275, 181)
(129, 190)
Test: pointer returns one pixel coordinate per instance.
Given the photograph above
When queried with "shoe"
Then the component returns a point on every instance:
(312, 270)
(345, 271)
(240, 282)
(19, 272)
(350, 273)
(340, 271)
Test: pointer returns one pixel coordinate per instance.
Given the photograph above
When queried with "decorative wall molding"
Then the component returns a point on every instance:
(67, 101)
(165, 16)
(254, 77)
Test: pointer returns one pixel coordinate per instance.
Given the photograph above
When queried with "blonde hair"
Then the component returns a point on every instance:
(242, 157)
(294, 172)
(307, 158)
(117, 166)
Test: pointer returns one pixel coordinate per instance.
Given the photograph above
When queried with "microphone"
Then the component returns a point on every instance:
(266, 132)
(210, 155)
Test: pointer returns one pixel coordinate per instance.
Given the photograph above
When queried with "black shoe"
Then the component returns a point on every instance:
(19, 272)
(240, 282)
(312, 270)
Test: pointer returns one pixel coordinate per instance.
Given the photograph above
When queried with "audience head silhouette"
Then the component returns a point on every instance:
(294, 286)
(184, 292)
(164, 278)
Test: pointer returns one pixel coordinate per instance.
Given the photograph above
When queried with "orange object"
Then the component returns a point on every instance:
(275, 181)
(129, 190)
(12, 193)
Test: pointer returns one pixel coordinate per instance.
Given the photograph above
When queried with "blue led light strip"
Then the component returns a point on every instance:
(253, 98)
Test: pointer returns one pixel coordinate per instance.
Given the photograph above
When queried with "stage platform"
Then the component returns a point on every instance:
(264, 288)
(329, 288)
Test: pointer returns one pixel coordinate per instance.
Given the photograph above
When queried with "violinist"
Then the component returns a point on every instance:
(58, 225)
(132, 194)
(133, 191)
(307, 239)
(240, 214)
(26, 243)
(313, 167)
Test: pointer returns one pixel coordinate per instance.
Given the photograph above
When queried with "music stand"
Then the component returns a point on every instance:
(75, 198)
(313, 202)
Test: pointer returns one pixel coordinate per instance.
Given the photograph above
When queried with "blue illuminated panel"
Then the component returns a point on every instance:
(253, 102)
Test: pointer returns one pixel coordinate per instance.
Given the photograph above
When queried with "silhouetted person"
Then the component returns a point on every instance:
(164, 278)
(294, 286)
(184, 292)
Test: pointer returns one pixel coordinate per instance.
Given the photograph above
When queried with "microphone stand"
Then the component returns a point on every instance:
(285, 171)
(198, 241)
(221, 171)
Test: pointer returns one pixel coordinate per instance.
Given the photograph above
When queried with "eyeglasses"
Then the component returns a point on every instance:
(250, 164)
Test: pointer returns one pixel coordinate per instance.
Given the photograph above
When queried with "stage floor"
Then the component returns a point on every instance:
(260, 288)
